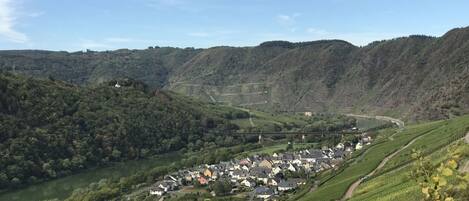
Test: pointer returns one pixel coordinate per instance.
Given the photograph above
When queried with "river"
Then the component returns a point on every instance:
(63, 187)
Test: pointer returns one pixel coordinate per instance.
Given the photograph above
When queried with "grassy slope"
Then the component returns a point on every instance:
(335, 187)
(396, 184)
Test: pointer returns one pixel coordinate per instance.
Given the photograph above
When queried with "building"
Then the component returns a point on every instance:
(358, 146)
(263, 192)
(308, 114)
(250, 183)
(157, 191)
(266, 164)
(202, 180)
(273, 182)
(286, 185)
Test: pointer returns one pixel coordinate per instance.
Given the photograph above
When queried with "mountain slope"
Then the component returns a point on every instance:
(49, 128)
(393, 77)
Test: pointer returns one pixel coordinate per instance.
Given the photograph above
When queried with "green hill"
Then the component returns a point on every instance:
(392, 181)
(51, 128)
(415, 77)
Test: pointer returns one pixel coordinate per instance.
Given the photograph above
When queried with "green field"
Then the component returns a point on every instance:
(437, 134)
(367, 123)
(268, 121)
(397, 184)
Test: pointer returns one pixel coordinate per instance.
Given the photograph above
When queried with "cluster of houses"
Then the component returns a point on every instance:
(265, 176)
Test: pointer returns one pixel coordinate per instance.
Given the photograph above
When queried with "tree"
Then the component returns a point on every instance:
(442, 182)
(221, 187)
(290, 146)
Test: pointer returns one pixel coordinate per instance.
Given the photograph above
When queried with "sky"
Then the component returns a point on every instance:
(75, 25)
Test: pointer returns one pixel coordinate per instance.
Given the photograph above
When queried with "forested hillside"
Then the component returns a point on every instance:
(415, 77)
(51, 128)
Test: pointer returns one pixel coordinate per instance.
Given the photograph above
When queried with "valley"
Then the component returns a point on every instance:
(320, 120)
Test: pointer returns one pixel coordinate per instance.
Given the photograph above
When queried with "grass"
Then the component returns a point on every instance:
(453, 130)
(367, 123)
(397, 184)
(335, 187)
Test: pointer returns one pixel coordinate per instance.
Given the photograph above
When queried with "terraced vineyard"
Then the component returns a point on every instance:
(430, 137)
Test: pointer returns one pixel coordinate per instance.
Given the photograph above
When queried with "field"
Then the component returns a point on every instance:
(437, 134)
(269, 121)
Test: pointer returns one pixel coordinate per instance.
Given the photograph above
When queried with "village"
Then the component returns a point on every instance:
(262, 176)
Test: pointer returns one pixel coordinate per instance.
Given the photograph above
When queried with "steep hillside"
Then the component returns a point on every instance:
(407, 77)
(384, 169)
(49, 129)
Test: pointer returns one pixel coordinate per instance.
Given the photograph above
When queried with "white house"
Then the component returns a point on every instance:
(248, 183)
(358, 146)
(340, 146)
(157, 191)
(276, 170)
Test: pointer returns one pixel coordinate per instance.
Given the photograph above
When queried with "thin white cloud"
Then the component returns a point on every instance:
(36, 14)
(287, 20)
(316, 31)
(8, 22)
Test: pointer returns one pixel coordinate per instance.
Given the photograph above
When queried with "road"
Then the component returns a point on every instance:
(398, 122)
(352, 188)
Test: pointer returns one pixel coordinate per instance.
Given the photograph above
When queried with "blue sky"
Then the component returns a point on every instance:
(112, 24)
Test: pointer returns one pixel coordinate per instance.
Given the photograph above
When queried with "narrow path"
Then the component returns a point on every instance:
(352, 188)
(250, 116)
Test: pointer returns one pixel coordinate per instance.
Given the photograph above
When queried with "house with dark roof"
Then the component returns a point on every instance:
(286, 185)
(263, 192)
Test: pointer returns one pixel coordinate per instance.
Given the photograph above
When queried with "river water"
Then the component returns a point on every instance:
(63, 187)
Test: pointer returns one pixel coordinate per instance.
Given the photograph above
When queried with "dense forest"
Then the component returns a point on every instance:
(51, 128)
